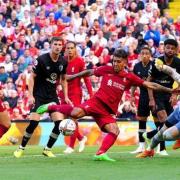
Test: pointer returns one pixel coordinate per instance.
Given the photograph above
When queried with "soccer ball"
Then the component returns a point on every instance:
(67, 127)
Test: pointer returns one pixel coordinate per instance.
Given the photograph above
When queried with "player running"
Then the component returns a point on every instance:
(115, 80)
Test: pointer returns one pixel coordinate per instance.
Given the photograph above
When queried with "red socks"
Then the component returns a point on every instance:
(3, 130)
(65, 109)
(74, 136)
(108, 141)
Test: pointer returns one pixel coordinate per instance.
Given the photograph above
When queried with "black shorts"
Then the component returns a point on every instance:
(163, 103)
(40, 101)
(143, 107)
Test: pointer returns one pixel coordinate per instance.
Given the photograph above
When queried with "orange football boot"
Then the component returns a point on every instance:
(176, 144)
(146, 153)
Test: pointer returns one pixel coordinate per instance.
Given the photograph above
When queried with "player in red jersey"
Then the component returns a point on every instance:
(115, 80)
(75, 65)
(5, 121)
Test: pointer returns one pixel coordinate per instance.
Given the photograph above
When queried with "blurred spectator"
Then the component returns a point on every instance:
(167, 35)
(16, 115)
(3, 74)
(8, 65)
(127, 111)
(8, 108)
(153, 34)
(9, 28)
(15, 72)
(46, 48)
(12, 98)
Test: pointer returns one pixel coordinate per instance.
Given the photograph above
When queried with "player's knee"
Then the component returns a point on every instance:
(77, 113)
(162, 117)
(113, 128)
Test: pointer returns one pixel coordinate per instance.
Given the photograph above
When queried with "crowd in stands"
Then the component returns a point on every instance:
(97, 26)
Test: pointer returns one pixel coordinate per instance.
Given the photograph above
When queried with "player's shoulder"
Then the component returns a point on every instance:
(104, 69)
(63, 59)
(79, 60)
(43, 58)
(138, 64)
(176, 60)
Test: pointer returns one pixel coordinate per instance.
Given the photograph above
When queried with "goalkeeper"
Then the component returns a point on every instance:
(171, 129)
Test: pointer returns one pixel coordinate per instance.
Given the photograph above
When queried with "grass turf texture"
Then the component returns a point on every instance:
(80, 166)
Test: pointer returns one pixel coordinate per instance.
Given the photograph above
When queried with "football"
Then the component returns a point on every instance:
(67, 127)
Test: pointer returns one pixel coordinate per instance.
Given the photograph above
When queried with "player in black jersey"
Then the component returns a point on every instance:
(163, 102)
(141, 69)
(49, 70)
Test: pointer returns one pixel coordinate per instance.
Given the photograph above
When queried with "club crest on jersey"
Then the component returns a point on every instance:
(48, 68)
(52, 79)
(109, 83)
(60, 68)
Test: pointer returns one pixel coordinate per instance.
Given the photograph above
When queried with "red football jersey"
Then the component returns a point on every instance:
(113, 85)
(75, 66)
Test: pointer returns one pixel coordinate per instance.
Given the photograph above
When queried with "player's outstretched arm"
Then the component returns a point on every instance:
(167, 69)
(88, 72)
(157, 87)
(172, 72)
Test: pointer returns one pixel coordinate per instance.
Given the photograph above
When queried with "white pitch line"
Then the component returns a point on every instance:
(40, 155)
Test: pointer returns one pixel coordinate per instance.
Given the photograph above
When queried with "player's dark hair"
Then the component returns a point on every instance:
(56, 38)
(146, 48)
(171, 42)
(71, 42)
(120, 53)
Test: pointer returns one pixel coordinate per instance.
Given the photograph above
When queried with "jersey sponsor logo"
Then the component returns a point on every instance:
(60, 68)
(109, 83)
(52, 79)
(115, 84)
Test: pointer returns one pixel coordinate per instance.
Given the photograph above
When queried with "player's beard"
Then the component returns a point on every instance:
(169, 55)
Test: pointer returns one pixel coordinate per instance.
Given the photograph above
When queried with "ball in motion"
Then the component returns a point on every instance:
(67, 127)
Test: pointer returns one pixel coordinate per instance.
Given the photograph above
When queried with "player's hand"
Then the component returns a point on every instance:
(152, 105)
(173, 99)
(68, 101)
(159, 64)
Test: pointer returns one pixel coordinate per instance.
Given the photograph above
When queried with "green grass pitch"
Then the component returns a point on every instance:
(80, 166)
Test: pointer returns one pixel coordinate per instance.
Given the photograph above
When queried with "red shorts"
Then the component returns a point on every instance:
(1, 107)
(75, 99)
(99, 111)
